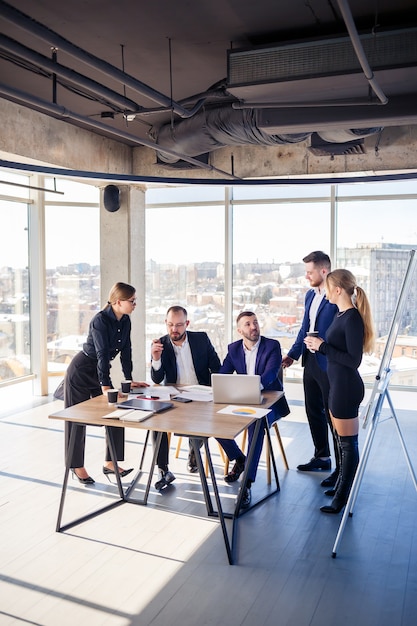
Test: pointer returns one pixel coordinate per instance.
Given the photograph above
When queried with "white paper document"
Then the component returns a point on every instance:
(127, 415)
(197, 388)
(199, 393)
(160, 393)
(116, 414)
(136, 415)
(198, 396)
(249, 411)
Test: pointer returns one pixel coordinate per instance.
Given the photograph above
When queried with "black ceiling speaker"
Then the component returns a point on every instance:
(111, 198)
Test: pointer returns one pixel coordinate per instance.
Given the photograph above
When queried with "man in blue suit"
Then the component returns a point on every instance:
(253, 354)
(180, 358)
(318, 315)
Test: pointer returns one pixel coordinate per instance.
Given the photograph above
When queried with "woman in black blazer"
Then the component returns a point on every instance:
(88, 374)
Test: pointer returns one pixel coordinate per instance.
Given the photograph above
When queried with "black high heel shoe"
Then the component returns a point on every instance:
(84, 481)
(123, 473)
(332, 508)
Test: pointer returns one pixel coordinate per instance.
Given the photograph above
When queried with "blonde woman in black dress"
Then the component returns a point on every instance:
(347, 338)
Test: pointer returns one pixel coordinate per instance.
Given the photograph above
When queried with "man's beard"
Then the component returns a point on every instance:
(252, 336)
(179, 338)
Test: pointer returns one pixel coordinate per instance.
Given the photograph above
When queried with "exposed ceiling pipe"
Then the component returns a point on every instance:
(22, 52)
(306, 105)
(61, 112)
(30, 25)
(212, 94)
(360, 53)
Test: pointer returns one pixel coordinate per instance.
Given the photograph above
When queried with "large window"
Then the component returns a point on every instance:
(72, 269)
(369, 228)
(185, 260)
(376, 231)
(271, 235)
(14, 279)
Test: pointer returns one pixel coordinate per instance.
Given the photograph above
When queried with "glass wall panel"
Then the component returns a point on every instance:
(72, 269)
(185, 266)
(14, 281)
(273, 229)
(269, 243)
(374, 241)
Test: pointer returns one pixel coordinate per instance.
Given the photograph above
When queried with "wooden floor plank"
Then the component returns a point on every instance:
(166, 564)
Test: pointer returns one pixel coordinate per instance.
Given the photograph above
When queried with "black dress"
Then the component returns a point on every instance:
(344, 349)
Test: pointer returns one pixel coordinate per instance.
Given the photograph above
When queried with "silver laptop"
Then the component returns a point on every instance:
(236, 388)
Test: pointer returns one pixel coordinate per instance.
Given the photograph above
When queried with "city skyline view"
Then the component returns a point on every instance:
(272, 230)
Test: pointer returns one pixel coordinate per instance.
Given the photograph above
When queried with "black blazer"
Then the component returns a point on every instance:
(205, 360)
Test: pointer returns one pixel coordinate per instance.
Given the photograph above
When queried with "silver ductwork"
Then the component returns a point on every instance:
(233, 114)
(65, 114)
(224, 126)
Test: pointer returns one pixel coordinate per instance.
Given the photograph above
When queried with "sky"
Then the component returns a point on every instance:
(72, 233)
(280, 233)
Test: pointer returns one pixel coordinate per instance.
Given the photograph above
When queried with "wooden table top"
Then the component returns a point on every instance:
(193, 419)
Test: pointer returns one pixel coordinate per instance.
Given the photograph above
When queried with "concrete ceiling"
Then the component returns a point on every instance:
(151, 72)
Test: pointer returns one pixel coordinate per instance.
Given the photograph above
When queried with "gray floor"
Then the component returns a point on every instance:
(166, 564)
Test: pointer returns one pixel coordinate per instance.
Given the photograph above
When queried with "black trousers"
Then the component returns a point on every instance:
(316, 396)
(81, 383)
(163, 454)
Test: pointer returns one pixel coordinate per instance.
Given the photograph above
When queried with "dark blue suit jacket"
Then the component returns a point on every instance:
(205, 360)
(268, 367)
(324, 318)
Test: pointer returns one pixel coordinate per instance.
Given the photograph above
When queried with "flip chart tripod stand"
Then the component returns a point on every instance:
(379, 394)
(383, 394)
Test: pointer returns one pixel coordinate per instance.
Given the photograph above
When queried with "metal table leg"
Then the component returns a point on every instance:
(83, 518)
(210, 511)
(261, 423)
(124, 495)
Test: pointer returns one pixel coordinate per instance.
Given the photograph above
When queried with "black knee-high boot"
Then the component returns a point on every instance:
(349, 463)
(336, 476)
(331, 480)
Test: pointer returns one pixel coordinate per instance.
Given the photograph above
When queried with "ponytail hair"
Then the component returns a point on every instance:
(364, 308)
(119, 291)
(345, 280)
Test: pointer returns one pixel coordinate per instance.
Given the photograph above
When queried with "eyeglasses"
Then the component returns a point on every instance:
(131, 301)
(171, 325)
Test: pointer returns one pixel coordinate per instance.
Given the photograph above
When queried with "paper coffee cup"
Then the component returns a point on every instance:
(112, 395)
(313, 333)
(126, 386)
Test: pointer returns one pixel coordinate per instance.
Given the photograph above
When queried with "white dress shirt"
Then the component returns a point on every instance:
(250, 358)
(315, 307)
(185, 366)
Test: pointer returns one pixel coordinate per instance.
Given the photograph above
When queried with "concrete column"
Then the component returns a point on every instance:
(122, 258)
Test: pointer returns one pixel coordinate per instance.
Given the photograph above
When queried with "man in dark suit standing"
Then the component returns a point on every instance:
(318, 315)
(253, 354)
(181, 358)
